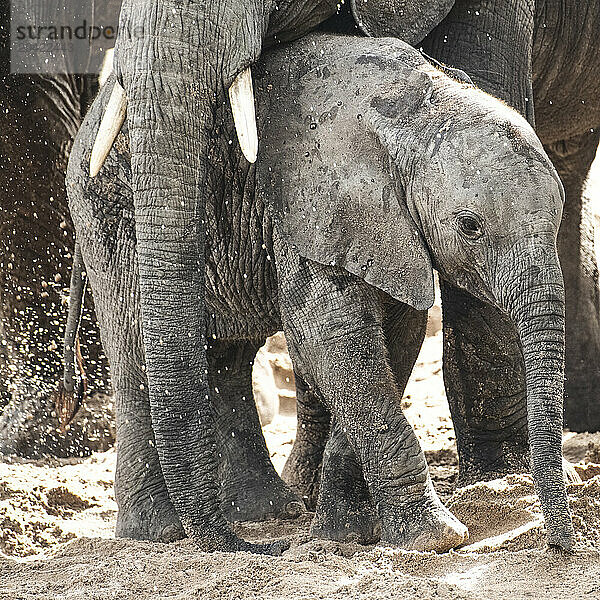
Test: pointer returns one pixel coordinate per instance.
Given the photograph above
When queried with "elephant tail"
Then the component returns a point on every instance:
(71, 390)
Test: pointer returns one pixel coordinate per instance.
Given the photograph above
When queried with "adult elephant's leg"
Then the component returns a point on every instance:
(484, 376)
(302, 470)
(344, 356)
(106, 235)
(345, 510)
(250, 488)
(572, 159)
(483, 366)
(145, 510)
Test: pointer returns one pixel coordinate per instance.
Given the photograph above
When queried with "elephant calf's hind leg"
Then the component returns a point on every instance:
(302, 471)
(345, 511)
(251, 490)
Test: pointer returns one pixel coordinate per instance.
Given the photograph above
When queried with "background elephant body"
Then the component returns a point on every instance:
(566, 85)
(39, 116)
(519, 51)
(340, 239)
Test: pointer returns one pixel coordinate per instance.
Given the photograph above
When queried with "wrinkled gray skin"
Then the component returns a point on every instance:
(336, 244)
(174, 82)
(566, 83)
(509, 48)
(175, 60)
(552, 49)
(39, 116)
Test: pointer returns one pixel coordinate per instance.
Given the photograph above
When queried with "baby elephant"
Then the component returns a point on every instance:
(374, 169)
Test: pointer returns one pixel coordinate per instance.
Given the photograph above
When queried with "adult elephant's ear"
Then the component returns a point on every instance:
(350, 212)
(409, 20)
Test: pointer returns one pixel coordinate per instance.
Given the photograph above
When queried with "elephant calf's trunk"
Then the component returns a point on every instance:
(539, 315)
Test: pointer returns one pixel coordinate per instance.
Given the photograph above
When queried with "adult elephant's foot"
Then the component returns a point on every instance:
(149, 518)
(582, 373)
(474, 466)
(156, 520)
(345, 510)
(258, 499)
(425, 525)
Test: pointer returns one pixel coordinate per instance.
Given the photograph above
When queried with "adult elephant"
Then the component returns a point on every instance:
(566, 86)
(174, 62)
(40, 113)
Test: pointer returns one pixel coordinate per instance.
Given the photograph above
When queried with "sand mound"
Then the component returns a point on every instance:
(505, 514)
(44, 503)
(505, 556)
(125, 569)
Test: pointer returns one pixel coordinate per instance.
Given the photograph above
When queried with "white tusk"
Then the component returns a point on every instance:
(111, 124)
(241, 97)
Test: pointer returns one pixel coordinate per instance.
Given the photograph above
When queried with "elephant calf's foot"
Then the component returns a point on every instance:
(259, 501)
(149, 519)
(344, 521)
(424, 526)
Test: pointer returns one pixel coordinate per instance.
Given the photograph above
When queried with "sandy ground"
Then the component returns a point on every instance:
(57, 519)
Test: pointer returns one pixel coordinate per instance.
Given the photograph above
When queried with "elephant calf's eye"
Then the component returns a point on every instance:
(470, 225)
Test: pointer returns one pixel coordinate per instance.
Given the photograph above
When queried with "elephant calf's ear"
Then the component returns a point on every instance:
(350, 212)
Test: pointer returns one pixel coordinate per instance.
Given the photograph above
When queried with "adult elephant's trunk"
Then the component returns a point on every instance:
(173, 73)
(536, 302)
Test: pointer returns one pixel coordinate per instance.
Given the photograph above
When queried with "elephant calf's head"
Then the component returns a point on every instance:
(487, 197)
(489, 204)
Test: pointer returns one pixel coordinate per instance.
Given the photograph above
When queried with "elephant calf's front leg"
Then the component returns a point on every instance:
(345, 510)
(334, 325)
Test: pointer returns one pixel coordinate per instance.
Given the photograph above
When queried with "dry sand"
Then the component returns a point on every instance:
(57, 520)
